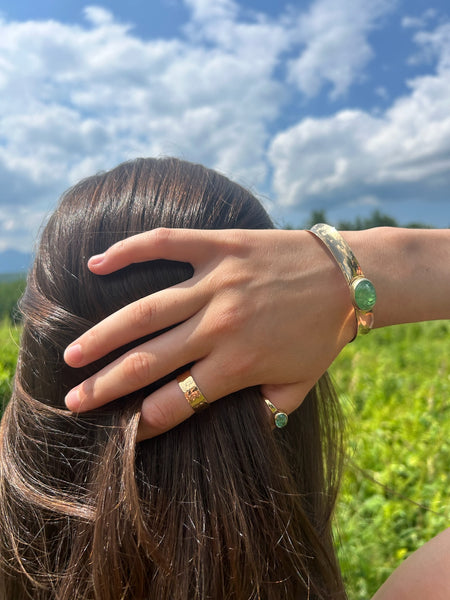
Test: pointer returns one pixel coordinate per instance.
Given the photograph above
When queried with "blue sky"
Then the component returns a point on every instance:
(342, 105)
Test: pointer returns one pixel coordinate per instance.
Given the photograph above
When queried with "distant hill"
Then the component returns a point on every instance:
(14, 261)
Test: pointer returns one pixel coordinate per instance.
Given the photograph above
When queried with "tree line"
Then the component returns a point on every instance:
(376, 219)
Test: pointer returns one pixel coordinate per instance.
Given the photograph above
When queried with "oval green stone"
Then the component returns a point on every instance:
(281, 419)
(365, 295)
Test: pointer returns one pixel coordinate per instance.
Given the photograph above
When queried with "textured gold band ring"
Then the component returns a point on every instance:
(191, 391)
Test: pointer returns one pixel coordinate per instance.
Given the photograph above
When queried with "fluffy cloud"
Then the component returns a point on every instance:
(75, 99)
(335, 36)
(436, 44)
(421, 21)
(88, 97)
(356, 157)
(219, 10)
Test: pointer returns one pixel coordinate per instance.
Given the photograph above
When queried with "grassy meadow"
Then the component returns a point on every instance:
(395, 387)
(9, 341)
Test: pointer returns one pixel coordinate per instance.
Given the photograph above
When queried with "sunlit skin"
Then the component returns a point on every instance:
(280, 330)
(222, 303)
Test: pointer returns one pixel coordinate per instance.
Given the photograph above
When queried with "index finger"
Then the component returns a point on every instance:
(183, 245)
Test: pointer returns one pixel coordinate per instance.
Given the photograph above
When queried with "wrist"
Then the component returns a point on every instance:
(410, 269)
(329, 288)
(361, 289)
(374, 249)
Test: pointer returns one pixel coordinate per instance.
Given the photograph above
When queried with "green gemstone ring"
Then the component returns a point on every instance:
(280, 418)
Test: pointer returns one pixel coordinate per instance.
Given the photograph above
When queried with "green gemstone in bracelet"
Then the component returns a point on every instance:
(364, 293)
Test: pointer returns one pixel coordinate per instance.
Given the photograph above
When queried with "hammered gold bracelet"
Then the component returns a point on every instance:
(362, 289)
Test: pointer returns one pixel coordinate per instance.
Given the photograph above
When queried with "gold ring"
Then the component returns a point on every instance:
(192, 392)
(280, 418)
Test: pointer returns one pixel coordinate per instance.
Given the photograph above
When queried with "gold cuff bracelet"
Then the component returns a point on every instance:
(362, 289)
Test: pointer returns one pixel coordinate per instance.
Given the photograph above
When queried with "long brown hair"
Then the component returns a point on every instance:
(220, 507)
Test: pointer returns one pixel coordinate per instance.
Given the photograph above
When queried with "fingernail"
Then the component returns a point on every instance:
(72, 400)
(94, 261)
(73, 354)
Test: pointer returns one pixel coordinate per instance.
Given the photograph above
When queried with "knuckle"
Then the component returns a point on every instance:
(235, 242)
(158, 417)
(92, 341)
(224, 279)
(241, 369)
(228, 320)
(161, 236)
(244, 366)
(141, 313)
(136, 368)
(117, 248)
(86, 393)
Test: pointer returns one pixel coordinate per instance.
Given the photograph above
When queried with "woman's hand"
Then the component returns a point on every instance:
(268, 308)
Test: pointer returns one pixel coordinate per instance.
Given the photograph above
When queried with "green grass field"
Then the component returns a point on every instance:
(395, 388)
(9, 342)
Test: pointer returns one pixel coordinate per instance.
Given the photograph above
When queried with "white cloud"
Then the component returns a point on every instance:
(78, 99)
(15, 227)
(335, 35)
(98, 15)
(419, 22)
(403, 153)
(318, 156)
(382, 92)
(412, 22)
(219, 10)
(75, 99)
(435, 45)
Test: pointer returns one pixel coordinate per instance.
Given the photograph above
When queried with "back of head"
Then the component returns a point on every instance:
(220, 506)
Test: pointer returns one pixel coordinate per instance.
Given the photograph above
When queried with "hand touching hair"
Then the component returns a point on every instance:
(219, 507)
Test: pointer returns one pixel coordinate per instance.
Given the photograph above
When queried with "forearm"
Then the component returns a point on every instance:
(410, 269)
(425, 574)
